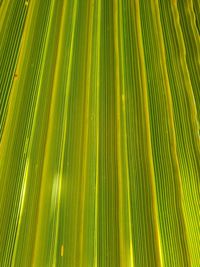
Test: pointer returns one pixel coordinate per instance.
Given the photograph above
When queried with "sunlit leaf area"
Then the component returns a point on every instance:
(99, 133)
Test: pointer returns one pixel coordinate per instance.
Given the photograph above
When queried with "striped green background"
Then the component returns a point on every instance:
(99, 133)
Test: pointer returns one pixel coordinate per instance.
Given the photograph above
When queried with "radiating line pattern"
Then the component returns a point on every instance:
(100, 133)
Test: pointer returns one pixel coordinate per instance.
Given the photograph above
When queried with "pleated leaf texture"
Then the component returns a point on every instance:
(99, 133)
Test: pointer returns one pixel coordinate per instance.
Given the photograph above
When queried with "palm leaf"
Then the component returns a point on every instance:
(99, 130)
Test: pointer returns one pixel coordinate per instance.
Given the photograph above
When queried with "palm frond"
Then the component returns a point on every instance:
(99, 133)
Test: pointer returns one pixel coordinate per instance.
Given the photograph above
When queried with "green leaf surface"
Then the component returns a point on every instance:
(99, 133)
